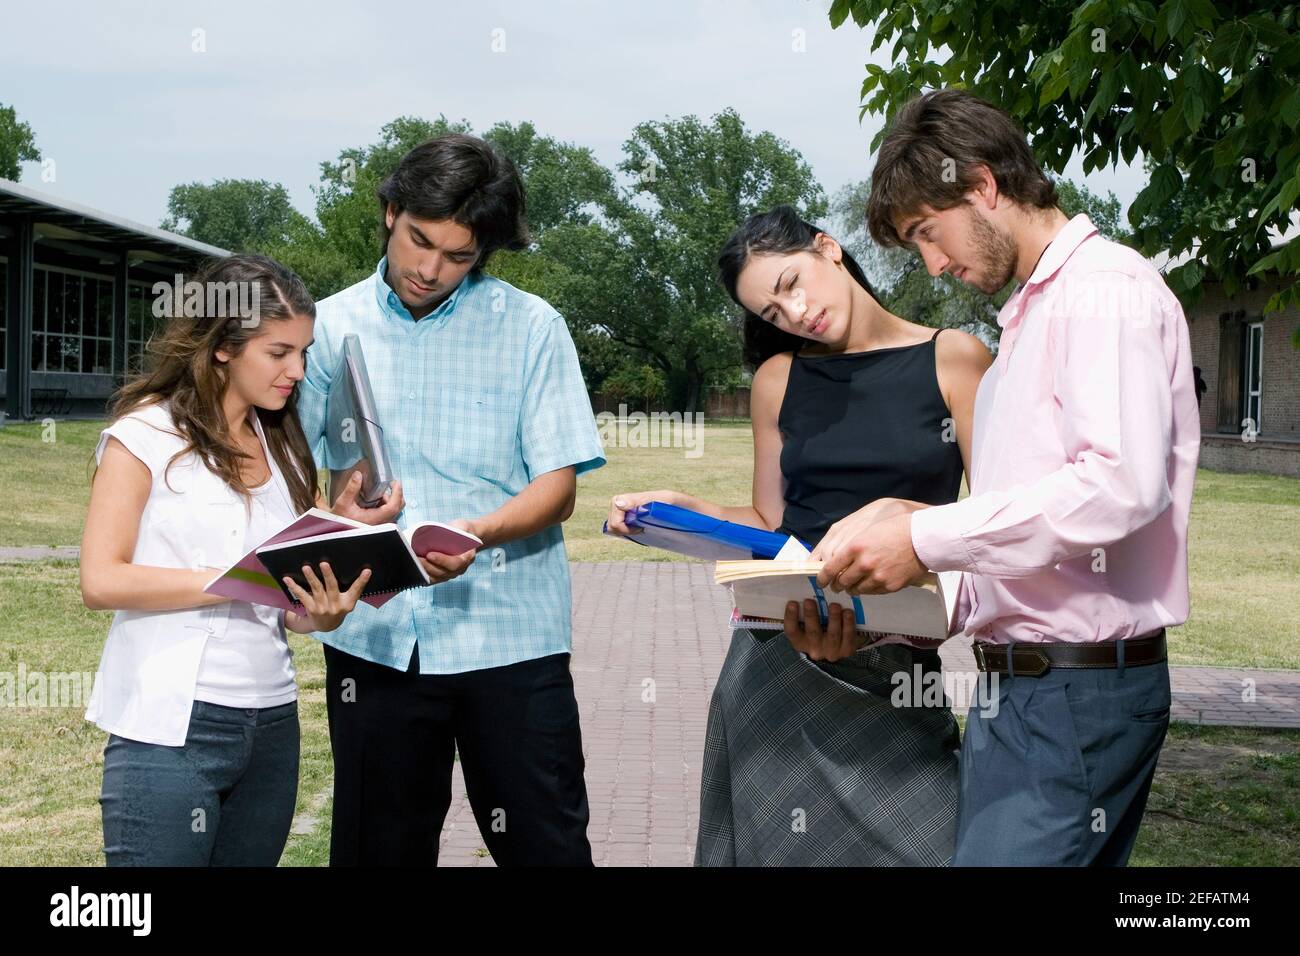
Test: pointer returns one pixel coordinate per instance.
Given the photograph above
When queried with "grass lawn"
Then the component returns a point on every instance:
(1222, 796)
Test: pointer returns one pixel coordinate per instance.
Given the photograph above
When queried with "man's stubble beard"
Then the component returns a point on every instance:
(996, 251)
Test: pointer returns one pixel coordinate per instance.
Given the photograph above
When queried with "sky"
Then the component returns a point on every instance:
(131, 98)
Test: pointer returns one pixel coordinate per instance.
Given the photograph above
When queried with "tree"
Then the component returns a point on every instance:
(637, 383)
(1210, 95)
(905, 287)
(565, 183)
(656, 291)
(242, 215)
(1104, 212)
(17, 144)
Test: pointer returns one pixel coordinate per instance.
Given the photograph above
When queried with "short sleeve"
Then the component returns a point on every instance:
(146, 435)
(557, 428)
(313, 392)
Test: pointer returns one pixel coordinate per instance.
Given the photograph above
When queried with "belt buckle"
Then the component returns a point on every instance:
(980, 663)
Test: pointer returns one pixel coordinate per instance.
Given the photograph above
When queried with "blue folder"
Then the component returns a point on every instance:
(700, 536)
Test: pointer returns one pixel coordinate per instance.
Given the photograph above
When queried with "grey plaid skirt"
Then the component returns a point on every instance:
(810, 764)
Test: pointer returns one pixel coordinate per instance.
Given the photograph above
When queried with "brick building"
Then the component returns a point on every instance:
(1250, 412)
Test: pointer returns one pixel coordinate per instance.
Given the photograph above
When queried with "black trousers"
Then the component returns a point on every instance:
(394, 736)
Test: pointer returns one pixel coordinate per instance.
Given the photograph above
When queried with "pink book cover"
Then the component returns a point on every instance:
(248, 579)
(444, 539)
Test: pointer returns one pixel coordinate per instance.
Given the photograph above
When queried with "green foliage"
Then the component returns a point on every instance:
(692, 184)
(637, 383)
(17, 144)
(1209, 94)
(242, 215)
(1102, 212)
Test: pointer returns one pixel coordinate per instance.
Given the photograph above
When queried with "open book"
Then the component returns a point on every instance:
(919, 615)
(349, 546)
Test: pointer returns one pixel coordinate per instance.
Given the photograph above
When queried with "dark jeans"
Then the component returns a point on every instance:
(225, 798)
(394, 736)
(1060, 775)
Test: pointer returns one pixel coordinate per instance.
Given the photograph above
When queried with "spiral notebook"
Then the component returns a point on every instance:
(387, 550)
(920, 615)
(248, 579)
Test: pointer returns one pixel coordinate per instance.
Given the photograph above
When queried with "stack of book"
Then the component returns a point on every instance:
(765, 570)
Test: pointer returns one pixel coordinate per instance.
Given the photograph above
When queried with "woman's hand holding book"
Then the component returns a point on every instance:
(621, 504)
(838, 640)
(326, 606)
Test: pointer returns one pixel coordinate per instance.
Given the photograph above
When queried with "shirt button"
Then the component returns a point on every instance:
(412, 395)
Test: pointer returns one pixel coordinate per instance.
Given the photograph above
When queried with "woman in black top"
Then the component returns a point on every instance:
(807, 759)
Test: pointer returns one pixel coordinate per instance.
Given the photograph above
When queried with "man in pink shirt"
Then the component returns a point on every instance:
(1073, 541)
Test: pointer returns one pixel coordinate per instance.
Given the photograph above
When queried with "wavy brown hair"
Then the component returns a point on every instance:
(181, 366)
(931, 155)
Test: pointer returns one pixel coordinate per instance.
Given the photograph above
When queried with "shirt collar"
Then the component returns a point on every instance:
(1062, 246)
(392, 302)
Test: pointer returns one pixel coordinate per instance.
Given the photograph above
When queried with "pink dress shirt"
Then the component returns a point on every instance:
(1085, 440)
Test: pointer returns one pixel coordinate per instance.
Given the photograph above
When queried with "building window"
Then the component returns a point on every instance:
(140, 323)
(1251, 375)
(72, 322)
(1241, 342)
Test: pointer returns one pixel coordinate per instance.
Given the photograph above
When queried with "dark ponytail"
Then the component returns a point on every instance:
(778, 232)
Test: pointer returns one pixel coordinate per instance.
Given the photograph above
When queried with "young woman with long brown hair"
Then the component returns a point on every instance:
(204, 459)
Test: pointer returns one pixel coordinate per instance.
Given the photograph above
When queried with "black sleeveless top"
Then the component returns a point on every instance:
(862, 426)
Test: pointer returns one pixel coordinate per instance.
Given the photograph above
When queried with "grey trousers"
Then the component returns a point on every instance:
(225, 798)
(1058, 774)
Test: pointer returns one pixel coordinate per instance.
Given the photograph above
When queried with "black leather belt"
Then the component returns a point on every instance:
(1036, 659)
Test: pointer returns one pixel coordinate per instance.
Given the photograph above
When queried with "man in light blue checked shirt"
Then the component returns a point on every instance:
(487, 423)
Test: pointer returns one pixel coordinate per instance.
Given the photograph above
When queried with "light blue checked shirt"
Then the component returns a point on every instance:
(476, 400)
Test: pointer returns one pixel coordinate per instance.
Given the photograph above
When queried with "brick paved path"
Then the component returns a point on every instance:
(37, 553)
